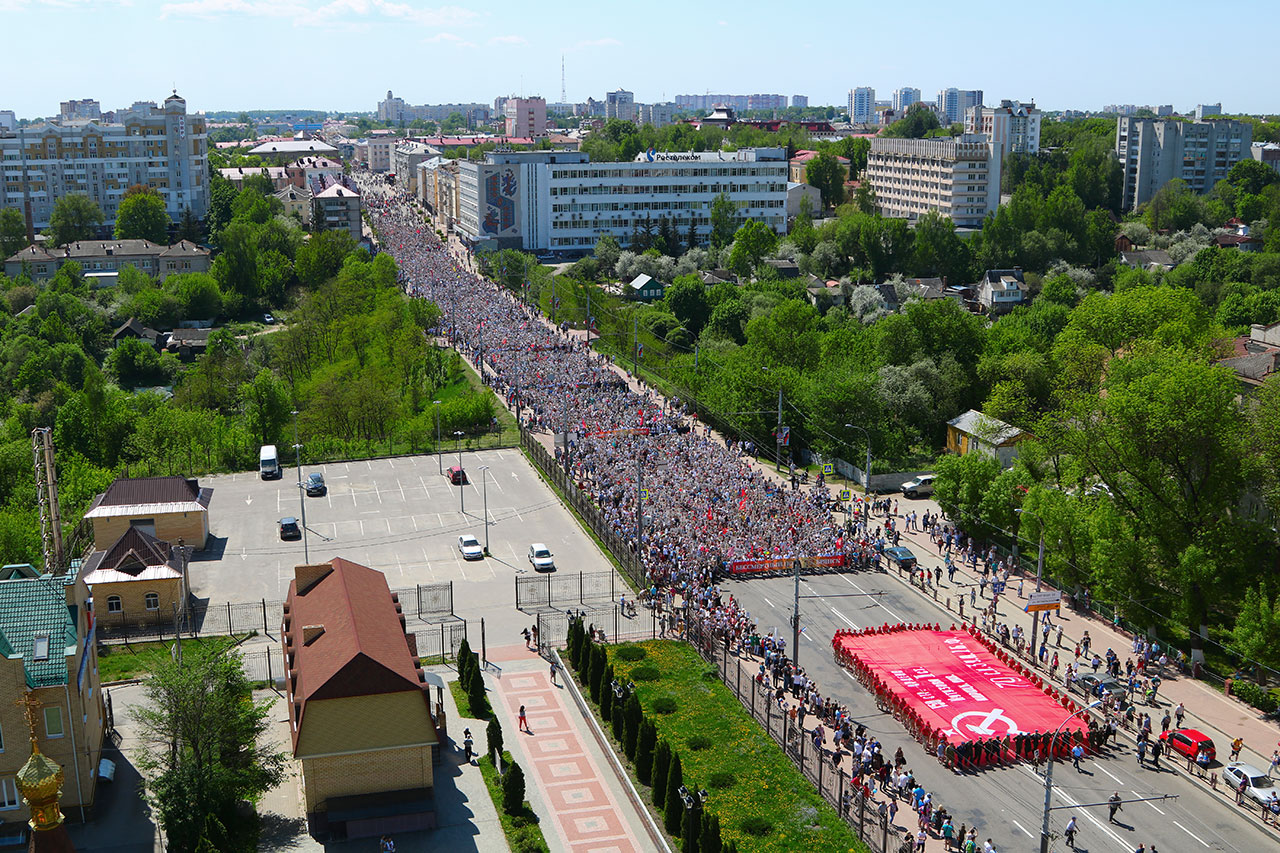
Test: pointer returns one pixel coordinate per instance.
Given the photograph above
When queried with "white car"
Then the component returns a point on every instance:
(540, 557)
(1259, 787)
(470, 548)
(920, 487)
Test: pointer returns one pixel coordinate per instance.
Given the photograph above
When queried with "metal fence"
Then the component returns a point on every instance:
(442, 641)
(627, 559)
(545, 591)
(553, 626)
(422, 603)
(265, 664)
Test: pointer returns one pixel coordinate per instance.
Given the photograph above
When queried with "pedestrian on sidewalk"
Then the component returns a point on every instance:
(386, 845)
(1178, 713)
(553, 674)
(524, 723)
(1077, 752)
(1275, 762)
(527, 636)
(1164, 722)
(1156, 749)
(1236, 746)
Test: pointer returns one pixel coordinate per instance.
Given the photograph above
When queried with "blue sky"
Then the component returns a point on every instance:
(345, 54)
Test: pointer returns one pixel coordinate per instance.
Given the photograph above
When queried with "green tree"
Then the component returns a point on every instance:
(189, 227)
(728, 321)
(513, 789)
(673, 811)
(751, 244)
(266, 406)
(710, 841)
(206, 750)
(918, 121)
(661, 767)
(1252, 176)
(320, 258)
(13, 232)
(691, 832)
(632, 717)
(75, 217)
(134, 362)
(1257, 630)
(493, 736)
(142, 216)
(724, 221)
(826, 173)
(962, 485)
(645, 744)
(687, 299)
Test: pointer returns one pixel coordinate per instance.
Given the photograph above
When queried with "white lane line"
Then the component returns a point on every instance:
(843, 619)
(1124, 845)
(1191, 833)
(806, 636)
(1148, 802)
(1023, 828)
(1104, 770)
(860, 589)
(767, 601)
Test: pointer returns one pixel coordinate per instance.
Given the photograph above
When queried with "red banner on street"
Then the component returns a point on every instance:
(784, 564)
(953, 684)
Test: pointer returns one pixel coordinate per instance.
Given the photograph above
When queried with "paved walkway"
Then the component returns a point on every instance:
(564, 768)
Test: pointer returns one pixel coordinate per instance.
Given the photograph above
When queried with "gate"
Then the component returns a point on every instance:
(544, 592)
(441, 641)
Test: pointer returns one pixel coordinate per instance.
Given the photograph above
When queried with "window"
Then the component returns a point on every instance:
(8, 793)
(53, 722)
(152, 601)
(114, 604)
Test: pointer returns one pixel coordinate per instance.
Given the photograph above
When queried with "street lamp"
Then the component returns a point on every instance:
(439, 460)
(302, 495)
(462, 477)
(1048, 775)
(484, 485)
(866, 486)
(1035, 616)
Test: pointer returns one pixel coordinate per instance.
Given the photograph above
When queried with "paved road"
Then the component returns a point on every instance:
(1006, 803)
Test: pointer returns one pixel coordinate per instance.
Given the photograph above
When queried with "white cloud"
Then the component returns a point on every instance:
(508, 40)
(723, 23)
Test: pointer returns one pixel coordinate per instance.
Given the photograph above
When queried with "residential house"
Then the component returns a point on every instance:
(824, 294)
(134, 329)
(336, 207)
(278, 175)
(173, 509)
(1256, 356)
(783, 267)
(360, 712)
(297, 201)
(646, 288)
(713, 277)
(98, 256)
(974, 432)
(288, 150)
(50, 661)
(139, 578)
(1151, 260)
(799, 165)
(188, 344)
(1001, 291)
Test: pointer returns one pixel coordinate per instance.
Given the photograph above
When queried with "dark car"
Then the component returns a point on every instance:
(289, 529)
(314, 485)
(900, 557)
(1090, 681)
(1189, 742)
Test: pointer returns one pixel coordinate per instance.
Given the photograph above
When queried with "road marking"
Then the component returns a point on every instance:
(1023, 828)
(842, 618)
(767, 601)
(860, 589)
(1104, 770)
(1148, 802)
(1189, 832)
(1071, 801)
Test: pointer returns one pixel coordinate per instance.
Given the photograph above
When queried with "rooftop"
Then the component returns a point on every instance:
(33, 607)
(990, 430)
(135, 556)
(294, 146)
(131, 496)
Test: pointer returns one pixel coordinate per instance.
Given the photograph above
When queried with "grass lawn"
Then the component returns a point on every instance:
(765, 782)
(522, 830)
(136, 660)
(464, 704)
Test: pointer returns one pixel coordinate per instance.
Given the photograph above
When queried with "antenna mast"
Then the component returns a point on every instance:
(47, 496)
(563, 99)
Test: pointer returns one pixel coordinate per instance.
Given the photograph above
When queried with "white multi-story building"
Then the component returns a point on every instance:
(8, 120)
(903, 98)
(165, 149)
(1014, 125)
(862, 105)
(801, 101)
(561, 201)
(958, 177)
(526, 117)
(621, 105)
(405, 158)
(658, 115)
(86, 108)
(766, 102)
(1204, 111)
(1155, 151)
(952, 104)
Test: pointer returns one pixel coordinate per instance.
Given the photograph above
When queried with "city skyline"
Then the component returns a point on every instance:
(508, 49)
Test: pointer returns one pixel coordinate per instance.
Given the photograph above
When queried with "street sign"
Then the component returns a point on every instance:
(644, 494)
(828, 468)
(784, 436)
(845, 494)
(1049, 599)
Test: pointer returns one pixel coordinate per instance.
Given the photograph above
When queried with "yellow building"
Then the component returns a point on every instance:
(360, 710)
(47, 652)
(974, 432)
(173, 509)
(139, 579)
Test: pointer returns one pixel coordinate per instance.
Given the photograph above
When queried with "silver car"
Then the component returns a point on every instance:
(540, 557)
(1258, 788)
(470, 547)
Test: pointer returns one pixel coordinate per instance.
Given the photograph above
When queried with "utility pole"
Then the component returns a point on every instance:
(795, 619)
(640, 503)
(302, 495)
(635, 348)
(778, 433)
(1035, 616)
(588, 319)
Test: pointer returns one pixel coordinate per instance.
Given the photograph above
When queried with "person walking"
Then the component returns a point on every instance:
(1236, 746)
(524, 723)
(1178, 713)
(527, 637)
(1077, 752)
(1113, 805)
(386, 845)
(1156, 749)
(553, 674)
(1070, 832)
(1142, 752)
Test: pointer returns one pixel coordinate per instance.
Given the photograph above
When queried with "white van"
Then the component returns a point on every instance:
(920, 487)
(269, 463)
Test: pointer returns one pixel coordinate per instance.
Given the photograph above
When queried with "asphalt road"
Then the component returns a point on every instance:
(1006, 803)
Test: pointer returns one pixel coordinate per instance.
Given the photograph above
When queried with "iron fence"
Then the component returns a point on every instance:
(545, 591)
(553, 626)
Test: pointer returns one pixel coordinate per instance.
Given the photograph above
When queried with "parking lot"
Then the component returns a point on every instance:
(400, 516)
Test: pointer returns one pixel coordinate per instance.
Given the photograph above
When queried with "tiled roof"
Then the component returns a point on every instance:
(132, 496)
(988, 429)
(31, 607)
(362, 650)
(134, 556)
(184, 247)
(294, 146)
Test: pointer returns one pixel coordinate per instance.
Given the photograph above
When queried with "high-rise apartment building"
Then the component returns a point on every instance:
(801, 101)
(952, 104)
(1014, 125)
(395, 110)
(862, 105)
(83, 109)
(903, 98)
(525, 116)
(8, 120)
(164, 149)
(959, 177)
(658, 115)
(766, 102)
(1155, 151)
(620, 105)
(1204, 111)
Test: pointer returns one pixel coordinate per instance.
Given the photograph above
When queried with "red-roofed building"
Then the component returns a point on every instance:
(800, 165)
(360, 711)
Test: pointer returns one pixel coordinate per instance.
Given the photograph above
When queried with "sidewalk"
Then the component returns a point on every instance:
(567, 779)
(1217, 715)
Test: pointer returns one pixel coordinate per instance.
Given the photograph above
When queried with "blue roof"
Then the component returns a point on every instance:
(38, 606)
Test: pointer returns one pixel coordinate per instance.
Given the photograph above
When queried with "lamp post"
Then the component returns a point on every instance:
(439, 459)
(1048, 775)
(484, 488)
(866, 486)
(1035, 616)
(302, 495)
(462, 481)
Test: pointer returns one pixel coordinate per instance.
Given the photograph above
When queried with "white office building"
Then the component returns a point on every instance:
(952, 104)
(1155, 151)
(8, 120)
(1014, 125)
(903, 98)
(958, 177)
(862, 105)
(620, 105)
(658, 115)
(560, 201)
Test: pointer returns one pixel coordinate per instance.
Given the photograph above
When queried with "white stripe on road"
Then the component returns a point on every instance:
(1124, 845)
(768, 602)
(1023, 828)
(1148, 802)
(1109, 773)
(877, 600)
(843, 619)
(1189, 832)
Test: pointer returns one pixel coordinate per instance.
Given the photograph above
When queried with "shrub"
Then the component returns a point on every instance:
(757, 826)
(665, 705)
(674, 811)
(606, 694)
(493, 734)
(1255, 695)
(645, 743)
(699, 742)
(645, 673)
(632, 717)
(617, 719)
(710, 675)
(513, 789)
(476, 694)
(630, 653)
(722, 779)
(661, 766)
(691, 833)
(710, 842)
